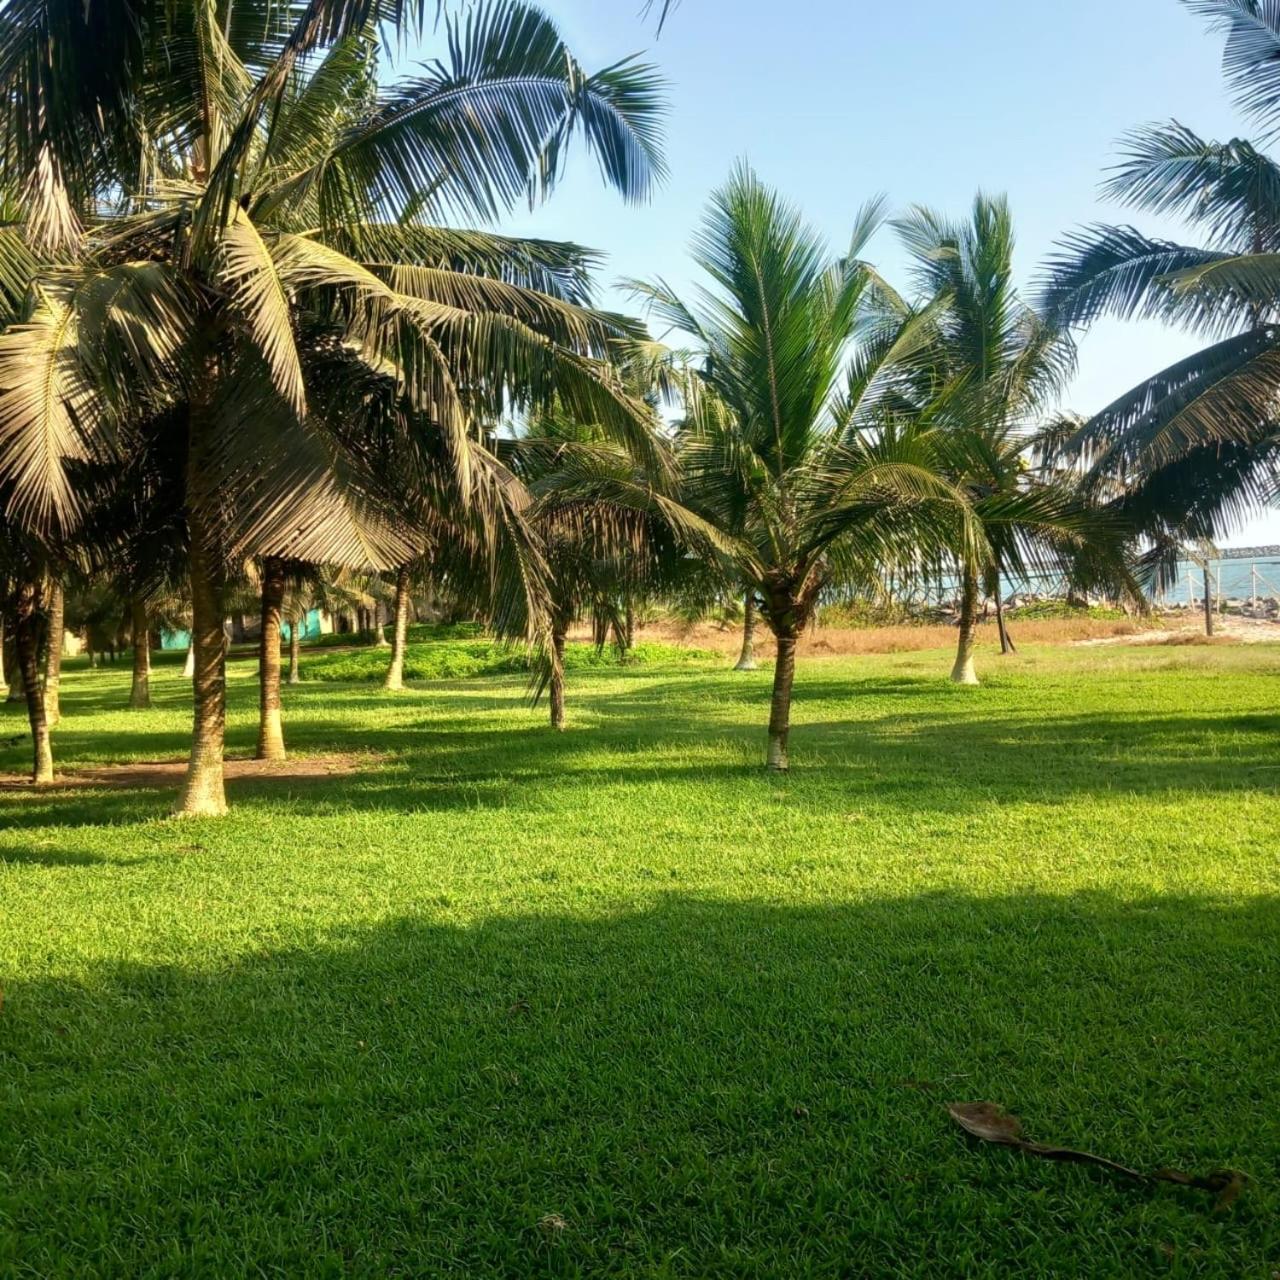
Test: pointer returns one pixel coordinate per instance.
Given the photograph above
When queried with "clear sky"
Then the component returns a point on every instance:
(834, 101)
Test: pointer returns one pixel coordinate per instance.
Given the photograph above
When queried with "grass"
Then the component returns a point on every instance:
(616, 1003)
(453, 659)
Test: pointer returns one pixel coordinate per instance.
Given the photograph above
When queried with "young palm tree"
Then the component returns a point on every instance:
(792, 446)
(1195, 446)
(610, 530)
(279, 214)
(994, 372)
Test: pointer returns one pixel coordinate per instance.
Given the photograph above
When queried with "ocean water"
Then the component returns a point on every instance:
(1230, 578)
(1235, 578)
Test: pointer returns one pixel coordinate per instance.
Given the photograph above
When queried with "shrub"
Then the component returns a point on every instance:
(466, 659)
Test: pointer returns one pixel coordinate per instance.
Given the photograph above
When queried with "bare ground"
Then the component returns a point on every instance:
(1188, 629)
(169, 773)
(840, 642)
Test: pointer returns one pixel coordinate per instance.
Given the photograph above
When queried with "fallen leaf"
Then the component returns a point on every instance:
(990, 1122)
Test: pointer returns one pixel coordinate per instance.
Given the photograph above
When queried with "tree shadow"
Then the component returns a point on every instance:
(694, 1087)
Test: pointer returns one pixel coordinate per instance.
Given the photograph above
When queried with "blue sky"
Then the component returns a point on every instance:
(833, 101)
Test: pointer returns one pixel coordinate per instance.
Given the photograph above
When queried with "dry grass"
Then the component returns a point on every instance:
(841, 642)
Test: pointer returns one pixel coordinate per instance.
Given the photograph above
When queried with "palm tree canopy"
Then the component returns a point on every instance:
(258, 212)
(989, 379)
(1191, 448)
(790, 441)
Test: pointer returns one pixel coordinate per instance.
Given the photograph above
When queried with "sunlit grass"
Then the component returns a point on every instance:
(616, 1002)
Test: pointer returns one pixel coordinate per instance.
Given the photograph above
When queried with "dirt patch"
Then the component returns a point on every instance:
(169, 773)
(1189, 630)
(819, 642)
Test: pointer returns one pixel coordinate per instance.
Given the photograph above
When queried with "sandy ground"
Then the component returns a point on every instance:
(837, 642)
(1182, 629)
(1172, 629)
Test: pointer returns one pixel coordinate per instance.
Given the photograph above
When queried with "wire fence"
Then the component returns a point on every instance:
(1235, 581)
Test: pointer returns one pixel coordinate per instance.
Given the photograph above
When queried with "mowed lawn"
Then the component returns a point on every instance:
(615, 1002)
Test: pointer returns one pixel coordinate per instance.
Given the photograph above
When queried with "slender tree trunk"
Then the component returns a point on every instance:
(784, 674)
(17, 691)
(557, 676)
(395, 672)
(53, 655)
(204, 793)
(1208, 602)
(747, 658)
(629, 623)
(380, 626)
(189, 666)
(1006, 640)
(3, 681)
(963, 672)
(28, 645)
(295, 650)
(270, 732)
(140, 693)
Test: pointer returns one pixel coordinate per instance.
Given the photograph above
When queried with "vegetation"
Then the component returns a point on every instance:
(461, 659)
(451, 994)
(505, 1002)
(1193, 448)
(793, 445)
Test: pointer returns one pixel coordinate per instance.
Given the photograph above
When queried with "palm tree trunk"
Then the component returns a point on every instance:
(1006, 640)
(140, 693)
(53, 655)
(1208, 602)
(747, 658)
(270, 732)
(3, 682)
(395, 672)
(189, 666)
(16, 691)
(557, 676)
(963, 672)
(629, 625)
(784, 674)
(295, 649)
(204, 793)
(27, 635)
(380, 627)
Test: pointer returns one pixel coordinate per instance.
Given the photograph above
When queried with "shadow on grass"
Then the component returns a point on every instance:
(913, 744)
(698, 1088)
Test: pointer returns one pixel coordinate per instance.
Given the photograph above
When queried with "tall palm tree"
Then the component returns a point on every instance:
(994, 372)
(792, 446)
(274, 215)
(1193, 449)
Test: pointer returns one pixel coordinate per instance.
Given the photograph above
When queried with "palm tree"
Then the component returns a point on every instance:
(24, 570)
(994, 371)
(1193, 449)
(278, 220)
(792, 446)
(610, 527)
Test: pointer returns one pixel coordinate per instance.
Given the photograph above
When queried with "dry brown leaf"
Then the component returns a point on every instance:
(990, 1122)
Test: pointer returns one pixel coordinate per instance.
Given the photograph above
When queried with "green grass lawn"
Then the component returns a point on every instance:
(616, 1003)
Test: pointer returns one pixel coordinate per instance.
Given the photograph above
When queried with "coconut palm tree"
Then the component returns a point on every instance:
(792, 444)
(24, 569)
(1193, 449)
(994, 372)
(274, 216)
(610, 528)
